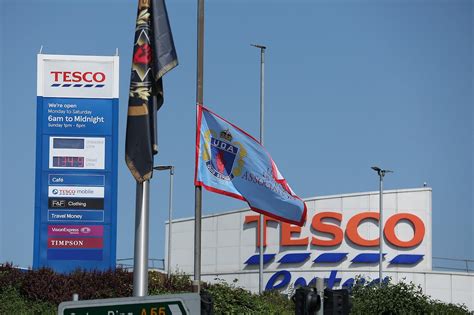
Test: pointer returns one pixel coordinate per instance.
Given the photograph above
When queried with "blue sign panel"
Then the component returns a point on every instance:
(76, 163)
(76, 215)
(76, 179)
(75, 254)
(68, 116)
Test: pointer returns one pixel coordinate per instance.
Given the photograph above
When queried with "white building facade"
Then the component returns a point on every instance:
(338, 242)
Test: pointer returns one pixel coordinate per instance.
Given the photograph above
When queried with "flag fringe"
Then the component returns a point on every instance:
(166, 68)
(136, 174)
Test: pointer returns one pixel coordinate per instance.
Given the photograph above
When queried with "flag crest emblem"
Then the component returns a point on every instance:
(223, 158)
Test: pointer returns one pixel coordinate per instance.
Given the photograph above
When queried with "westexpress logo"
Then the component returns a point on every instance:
(78, 79)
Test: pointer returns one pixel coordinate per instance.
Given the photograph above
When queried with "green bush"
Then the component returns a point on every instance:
(159, 283)
(230, 299)
(227, 298)
(399, 298)
(45, 285)
(11, 302)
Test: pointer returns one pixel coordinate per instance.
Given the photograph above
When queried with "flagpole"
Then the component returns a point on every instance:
(198, 189)
(140, 258)
(261, 218)
(148, 67)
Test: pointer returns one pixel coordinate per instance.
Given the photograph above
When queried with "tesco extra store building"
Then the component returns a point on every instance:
(338, 242)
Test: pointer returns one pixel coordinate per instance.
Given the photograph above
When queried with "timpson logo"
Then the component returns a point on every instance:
(77, 79)
(224, 159)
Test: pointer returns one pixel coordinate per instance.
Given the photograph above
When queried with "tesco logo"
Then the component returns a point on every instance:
(329, 224)
(77, 76)
(78, 79)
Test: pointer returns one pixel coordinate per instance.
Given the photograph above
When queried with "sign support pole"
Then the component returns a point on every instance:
(140, 258)
(198, 189)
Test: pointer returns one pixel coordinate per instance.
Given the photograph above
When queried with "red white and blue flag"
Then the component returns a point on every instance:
(231, 162)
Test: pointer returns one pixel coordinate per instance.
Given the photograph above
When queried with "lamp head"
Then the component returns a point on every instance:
(380, 171)
(163, 167)
(258, 46)
(376, 168)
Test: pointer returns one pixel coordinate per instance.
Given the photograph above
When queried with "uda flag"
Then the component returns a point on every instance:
(153, 56)
(231, 162)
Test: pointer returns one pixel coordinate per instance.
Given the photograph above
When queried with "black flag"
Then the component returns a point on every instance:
(153, 56)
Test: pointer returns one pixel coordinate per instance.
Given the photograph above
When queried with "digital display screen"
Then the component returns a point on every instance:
(68, 143)
(68, 161)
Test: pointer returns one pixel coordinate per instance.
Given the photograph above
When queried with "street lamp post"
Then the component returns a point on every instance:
(381, 173)
(261, 217)
(170, 212)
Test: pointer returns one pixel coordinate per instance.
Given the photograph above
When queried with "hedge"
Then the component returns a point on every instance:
(41, 291)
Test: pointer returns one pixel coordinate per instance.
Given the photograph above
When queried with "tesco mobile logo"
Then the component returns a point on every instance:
(86, 79)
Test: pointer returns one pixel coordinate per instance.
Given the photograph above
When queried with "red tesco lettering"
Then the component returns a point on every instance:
(329, 223)
(78, 76)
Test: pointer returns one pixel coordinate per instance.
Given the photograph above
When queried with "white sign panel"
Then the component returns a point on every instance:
(77, 76)
(77, 153)
(75, 191)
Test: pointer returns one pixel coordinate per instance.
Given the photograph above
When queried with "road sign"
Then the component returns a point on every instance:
(170, 304)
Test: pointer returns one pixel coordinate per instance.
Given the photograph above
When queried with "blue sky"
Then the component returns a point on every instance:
(349, 84)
